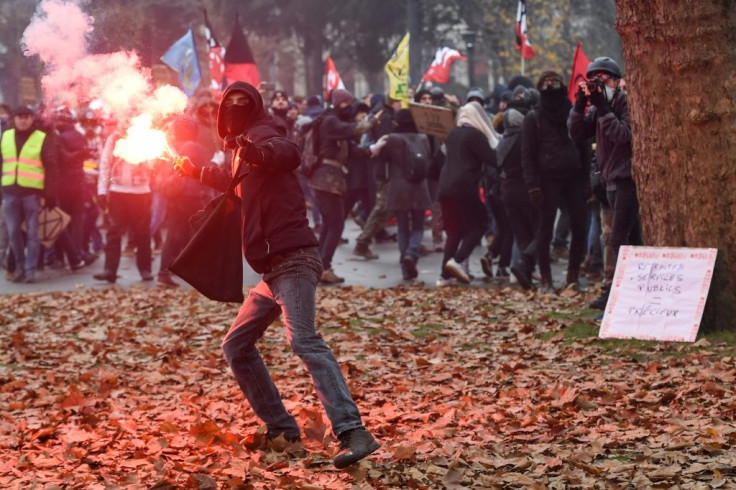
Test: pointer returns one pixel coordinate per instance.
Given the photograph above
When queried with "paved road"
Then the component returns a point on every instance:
(383, 272)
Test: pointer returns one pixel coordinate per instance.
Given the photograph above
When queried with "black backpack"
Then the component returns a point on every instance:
(416, 160)
(309, 144)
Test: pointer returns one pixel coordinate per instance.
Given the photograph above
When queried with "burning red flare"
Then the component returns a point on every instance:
(142, 142)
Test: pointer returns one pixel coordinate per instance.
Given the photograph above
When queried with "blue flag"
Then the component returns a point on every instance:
(182, 57)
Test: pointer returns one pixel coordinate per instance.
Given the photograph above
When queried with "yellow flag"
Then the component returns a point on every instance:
(397, 70)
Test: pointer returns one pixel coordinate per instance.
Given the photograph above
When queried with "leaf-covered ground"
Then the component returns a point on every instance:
(465, 388)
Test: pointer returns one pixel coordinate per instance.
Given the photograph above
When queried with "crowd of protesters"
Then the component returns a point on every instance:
(526, 172)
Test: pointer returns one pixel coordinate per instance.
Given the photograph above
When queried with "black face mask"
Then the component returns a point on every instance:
(235, 118)
(553, 98)
(346, 113)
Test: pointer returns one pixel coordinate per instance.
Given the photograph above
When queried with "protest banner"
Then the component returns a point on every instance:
(432, 120)
(658, 293)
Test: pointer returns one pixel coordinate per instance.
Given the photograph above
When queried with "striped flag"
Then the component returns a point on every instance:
(439, 70)
(215, 59)
(522, 41)
(240, 65)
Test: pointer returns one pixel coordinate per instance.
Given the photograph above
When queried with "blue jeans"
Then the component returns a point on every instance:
(16, 210)
(288, 289)
(410, 230)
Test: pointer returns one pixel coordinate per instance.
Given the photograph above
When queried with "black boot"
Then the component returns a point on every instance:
(523, 272)
(355, 445)
(601, 301)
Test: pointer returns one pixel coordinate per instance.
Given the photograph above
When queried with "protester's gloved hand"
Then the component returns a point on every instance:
(536, 196)
(230, 142)
(598, 99)
(251, 152)
(186, 168)
(581, 100)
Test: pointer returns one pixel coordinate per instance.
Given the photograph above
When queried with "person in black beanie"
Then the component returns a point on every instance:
(555, 171)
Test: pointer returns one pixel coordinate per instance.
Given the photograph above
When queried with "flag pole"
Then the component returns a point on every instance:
(522, 60)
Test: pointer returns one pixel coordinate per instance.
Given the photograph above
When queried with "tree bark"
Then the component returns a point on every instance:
(680, 64)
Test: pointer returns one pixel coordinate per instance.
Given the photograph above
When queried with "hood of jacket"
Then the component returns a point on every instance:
(256, 110)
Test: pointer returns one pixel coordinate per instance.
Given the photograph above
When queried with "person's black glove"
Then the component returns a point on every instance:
(598, 99)
(581, 100)
(251, 152)
(49, 203)
(536, 197)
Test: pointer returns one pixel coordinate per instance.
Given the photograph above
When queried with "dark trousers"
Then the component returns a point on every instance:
(465, 221)
(523, 217)
(503, 237)
(361, 195)
(556, 192)
(625, 224)
(333, 222)
(129, 212)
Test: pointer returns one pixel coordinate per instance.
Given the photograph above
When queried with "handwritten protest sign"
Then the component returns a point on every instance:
(432, 120)
(658, 293)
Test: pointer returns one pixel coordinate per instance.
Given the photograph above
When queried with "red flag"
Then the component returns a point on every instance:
(439, 70)
(522, 42)
(215, 59)
(239, 62)
(580, 64)
(332, 78)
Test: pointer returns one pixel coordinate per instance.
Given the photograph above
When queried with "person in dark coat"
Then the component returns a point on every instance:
(556, 173)
(183, 197)
(522, 214)
(469, 149)
(279, 244)
(609, 122)
(337, 134)
(408, 201)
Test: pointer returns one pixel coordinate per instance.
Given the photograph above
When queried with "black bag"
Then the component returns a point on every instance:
(416, 160)
(212, 261)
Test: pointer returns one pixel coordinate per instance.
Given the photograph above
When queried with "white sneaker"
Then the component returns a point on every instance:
(452, 267)
(442, 282)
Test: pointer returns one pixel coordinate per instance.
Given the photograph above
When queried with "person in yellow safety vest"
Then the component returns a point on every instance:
(29, 176)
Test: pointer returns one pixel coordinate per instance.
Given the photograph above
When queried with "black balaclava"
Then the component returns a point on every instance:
(553, 99)
(234, 120)
(346, 113)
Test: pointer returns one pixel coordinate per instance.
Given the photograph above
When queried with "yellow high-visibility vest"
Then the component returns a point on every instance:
(26, 169)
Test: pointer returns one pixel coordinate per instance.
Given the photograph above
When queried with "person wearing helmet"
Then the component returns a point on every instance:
(607, 119)
(476, 94)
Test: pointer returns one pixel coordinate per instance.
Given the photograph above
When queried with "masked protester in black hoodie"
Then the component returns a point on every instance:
(278, 243)
(555, 171)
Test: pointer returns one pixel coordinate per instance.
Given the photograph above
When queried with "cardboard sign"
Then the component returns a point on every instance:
(658, 293)
(51, 223)
(432, 120)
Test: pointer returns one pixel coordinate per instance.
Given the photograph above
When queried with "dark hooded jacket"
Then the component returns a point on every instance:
(612, 132)
(274, 212)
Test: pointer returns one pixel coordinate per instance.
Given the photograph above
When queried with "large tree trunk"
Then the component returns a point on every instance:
(680, 64)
